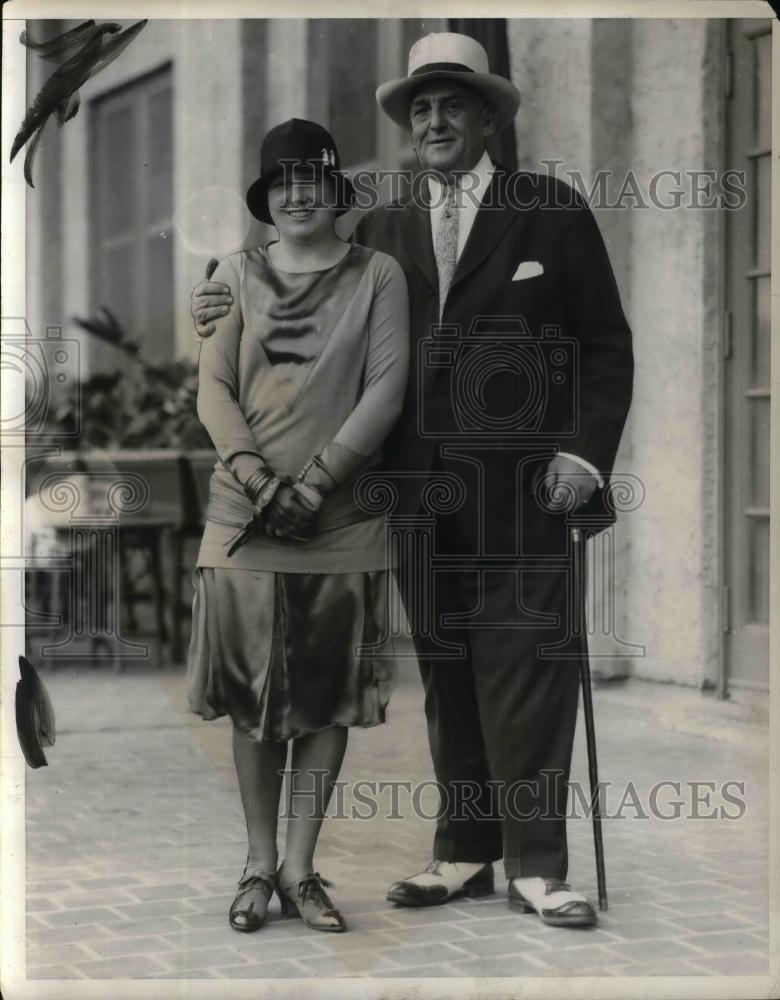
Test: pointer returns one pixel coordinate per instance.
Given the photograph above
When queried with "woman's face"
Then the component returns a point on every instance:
(302, 208)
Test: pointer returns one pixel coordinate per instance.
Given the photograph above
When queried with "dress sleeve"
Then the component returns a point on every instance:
(384, 378)
(218, 406)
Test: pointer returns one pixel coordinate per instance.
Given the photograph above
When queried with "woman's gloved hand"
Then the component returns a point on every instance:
(290, 515)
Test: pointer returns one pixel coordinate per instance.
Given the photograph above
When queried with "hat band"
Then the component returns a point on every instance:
(442, 67)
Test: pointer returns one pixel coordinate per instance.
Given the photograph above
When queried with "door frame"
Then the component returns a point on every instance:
(728, 594)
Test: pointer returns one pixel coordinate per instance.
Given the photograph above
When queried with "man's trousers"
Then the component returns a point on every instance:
(501, 711)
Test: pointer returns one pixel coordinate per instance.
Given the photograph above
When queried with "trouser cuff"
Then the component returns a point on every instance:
(536, 867)
(471, 855)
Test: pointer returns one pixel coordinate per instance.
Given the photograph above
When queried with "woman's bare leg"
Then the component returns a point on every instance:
(260, 769)
(316, 763)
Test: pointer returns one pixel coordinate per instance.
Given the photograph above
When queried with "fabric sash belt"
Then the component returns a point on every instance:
(229, 507)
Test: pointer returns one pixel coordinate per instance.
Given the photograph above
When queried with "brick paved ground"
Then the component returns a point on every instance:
(136, 839)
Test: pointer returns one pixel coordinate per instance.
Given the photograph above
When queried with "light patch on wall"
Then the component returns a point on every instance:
(213, 222)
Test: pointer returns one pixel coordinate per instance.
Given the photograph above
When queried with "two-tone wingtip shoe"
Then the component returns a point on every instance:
(554, 900)
(439, 882)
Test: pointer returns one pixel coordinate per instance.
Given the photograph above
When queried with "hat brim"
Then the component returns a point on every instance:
(395, 96)
(257, 195)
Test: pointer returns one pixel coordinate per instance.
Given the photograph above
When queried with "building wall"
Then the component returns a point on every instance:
(597, 94)
(209, 217)
(607, 94)
(675, 429)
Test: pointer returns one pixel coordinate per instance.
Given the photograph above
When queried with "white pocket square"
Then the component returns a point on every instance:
(528, 269)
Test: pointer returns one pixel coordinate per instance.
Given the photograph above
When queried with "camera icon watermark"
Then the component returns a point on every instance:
(498, 380)
(41, 381)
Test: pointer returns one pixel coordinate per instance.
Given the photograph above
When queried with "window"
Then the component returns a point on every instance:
(131, 175)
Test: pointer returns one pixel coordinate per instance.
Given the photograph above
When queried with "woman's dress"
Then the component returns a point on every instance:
(292, 637)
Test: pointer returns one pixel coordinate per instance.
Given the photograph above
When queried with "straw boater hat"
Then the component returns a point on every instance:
(448, 56)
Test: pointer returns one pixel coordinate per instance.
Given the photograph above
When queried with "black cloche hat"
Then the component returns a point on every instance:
(304, 142)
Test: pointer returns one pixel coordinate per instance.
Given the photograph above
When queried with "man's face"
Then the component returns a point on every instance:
(449, 123)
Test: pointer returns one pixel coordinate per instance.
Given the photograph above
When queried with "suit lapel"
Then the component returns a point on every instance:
(490, 224)
(417, 239)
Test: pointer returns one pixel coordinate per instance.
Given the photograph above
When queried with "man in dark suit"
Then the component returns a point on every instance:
(519, 388)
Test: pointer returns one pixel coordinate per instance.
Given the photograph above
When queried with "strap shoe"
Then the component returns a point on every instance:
(307, 898)
(249, 908)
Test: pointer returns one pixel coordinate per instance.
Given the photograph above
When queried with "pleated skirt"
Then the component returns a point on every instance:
(286, 654)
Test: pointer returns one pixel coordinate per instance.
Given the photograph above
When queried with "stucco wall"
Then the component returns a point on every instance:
(643, 95)
(209, 215)
(673, 290)
(614, 94)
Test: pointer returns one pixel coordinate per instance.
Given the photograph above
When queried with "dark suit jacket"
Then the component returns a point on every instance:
(520, 368)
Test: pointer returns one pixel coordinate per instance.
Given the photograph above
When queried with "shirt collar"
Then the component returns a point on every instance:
(483, 171)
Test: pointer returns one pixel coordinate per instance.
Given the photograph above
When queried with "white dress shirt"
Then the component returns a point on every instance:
(472, 186)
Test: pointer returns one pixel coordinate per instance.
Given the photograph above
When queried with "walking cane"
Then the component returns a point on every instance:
(580, 629)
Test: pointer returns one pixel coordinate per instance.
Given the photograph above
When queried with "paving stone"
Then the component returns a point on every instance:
(425, 916)
(43, 887)
(263, 948)
(109, 947)
(699, 891)
(658, 948)
(350, 963)
(353, 940)
(415, 972)
(701, 922)
(497, 925)
(373, 921)
(168, 848)
(271, 970)
(499, 944)
(142, 928)
(572, 960)
(41, 904)
(732, 941)
(110, 882)
(82, 900)
(505, 966)
(640, 930)
(199, 958)
(173, 890)
(744, 964)
(207, 903)
(121, 967)
(63, 954)
(99, 915)
(431, 935)
(182, 975)
(53, 936)
(162, 908)
(625, 913)
(198, 921)
(412, 955)
(53, 972)
(656, 967)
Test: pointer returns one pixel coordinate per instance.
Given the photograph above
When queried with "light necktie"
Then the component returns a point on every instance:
(446, 249)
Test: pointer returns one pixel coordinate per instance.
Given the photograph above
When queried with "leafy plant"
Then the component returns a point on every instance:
(141, 405)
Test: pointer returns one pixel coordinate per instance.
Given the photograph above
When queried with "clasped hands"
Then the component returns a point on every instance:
(291, 511)
(291, 514)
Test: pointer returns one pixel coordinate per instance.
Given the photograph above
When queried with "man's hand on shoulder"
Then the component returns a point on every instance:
(210, 300)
